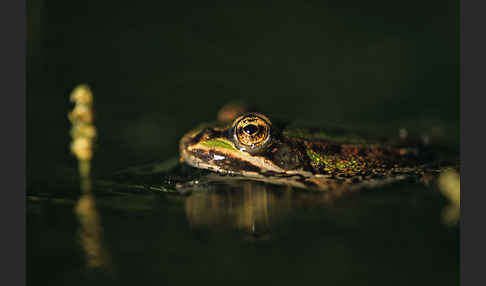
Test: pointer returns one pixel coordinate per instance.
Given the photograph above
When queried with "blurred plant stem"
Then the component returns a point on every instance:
(83, 133)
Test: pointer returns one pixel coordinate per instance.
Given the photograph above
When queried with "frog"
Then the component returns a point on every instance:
(253, 147)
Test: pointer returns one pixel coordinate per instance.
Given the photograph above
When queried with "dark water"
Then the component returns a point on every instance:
(158, 69)
(242, 232)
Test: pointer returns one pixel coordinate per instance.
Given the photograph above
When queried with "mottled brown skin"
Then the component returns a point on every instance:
(370, 159)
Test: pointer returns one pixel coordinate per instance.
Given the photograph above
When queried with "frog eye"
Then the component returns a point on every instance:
(251, 131)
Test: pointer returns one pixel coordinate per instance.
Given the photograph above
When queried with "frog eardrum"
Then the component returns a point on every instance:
(251, 132)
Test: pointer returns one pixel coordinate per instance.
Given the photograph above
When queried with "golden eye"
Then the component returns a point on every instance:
(251, 131)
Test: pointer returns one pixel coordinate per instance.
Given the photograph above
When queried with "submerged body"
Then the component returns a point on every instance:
(251, 146)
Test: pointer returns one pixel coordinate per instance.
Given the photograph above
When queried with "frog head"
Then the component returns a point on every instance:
(250, 145)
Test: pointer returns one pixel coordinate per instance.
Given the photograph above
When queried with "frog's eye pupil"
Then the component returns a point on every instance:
(251, 129)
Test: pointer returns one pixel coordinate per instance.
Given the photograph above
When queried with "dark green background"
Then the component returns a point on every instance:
(158, 68)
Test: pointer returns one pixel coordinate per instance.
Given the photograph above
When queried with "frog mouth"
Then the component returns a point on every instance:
(210, 150)
(223, 157)
(219, 154)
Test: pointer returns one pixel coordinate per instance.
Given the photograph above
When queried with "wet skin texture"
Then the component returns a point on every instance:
(252, 146)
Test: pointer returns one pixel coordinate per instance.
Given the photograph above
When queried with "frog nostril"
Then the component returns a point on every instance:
(251, 129)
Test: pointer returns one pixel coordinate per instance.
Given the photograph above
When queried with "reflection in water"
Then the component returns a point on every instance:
(90, 229)
(248, 206)
(251, 209)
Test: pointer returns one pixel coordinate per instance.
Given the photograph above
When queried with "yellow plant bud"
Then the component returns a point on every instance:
(82, 95)
(82, 113)
(82, 148)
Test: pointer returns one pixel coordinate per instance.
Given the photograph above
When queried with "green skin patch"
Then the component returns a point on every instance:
(329, 163)
(220, 143)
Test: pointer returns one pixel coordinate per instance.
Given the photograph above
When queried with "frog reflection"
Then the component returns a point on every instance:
(251, 207)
